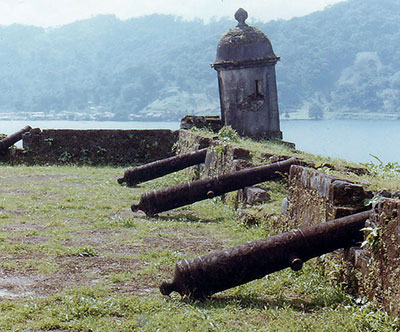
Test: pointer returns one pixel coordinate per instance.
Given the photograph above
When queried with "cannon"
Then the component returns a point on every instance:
(203, 276)
(189, 192)
(5, 143)
(162, 167)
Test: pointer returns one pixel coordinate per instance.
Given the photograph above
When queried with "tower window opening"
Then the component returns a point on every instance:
(259, 88)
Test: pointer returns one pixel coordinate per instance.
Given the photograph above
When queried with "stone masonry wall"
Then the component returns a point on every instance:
(315, 197)
(378, 265)
(188, 142)
(97, 147)
(371, 272)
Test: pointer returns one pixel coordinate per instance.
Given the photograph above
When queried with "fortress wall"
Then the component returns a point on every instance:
(371, 271)
(97, 147)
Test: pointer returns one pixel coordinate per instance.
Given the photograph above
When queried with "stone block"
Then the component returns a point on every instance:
(255, 195)
(212, 123)
(345, 193)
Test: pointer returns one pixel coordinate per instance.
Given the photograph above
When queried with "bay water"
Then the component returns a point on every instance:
(352, 140)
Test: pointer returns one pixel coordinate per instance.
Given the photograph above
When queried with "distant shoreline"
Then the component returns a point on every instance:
(365, 117)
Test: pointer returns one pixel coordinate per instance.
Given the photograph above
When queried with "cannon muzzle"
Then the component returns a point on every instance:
(5, 143)
(162, 167)
(187, 193)
(218, 271)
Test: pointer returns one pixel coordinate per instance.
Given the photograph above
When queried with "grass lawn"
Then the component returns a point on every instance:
(75, 258)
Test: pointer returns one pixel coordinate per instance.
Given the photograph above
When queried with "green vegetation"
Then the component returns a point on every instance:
(379, 168)
(75, 258)
(382, 175)
(342, 62)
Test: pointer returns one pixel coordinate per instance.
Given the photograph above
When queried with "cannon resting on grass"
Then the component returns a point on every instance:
(187, 193)
(203, 276)
(162, 167)
(10, 140)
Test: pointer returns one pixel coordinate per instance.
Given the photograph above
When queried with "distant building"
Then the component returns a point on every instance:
(245, 64)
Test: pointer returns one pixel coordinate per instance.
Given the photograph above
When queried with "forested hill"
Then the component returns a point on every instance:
(341, 62)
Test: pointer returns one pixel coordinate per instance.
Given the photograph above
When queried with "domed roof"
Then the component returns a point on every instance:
(244, 43)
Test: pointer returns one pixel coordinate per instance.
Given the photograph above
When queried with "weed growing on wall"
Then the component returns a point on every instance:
(226, 136)
(379, 168)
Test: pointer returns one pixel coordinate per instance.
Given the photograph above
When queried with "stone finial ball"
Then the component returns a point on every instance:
(241, 16)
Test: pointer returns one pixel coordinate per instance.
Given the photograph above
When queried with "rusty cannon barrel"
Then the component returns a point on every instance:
(189, 192)
(162, 167)
(203, 276)
(5, 143)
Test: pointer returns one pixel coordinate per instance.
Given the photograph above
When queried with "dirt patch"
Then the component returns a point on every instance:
(37, 260)
(32, 178)
(72, 272)
(29, 240)
(25, 233)
(15, 286)
(90, 237)
(197, 245)
(23, 228)
(123, 250)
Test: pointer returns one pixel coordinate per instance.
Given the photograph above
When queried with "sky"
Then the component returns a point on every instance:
(49, 13)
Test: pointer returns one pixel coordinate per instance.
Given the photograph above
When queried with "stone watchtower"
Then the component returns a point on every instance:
(247, 82)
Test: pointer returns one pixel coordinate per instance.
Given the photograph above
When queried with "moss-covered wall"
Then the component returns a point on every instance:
(378, 265)
(96, 147)
(224, 159)
(189, 141)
